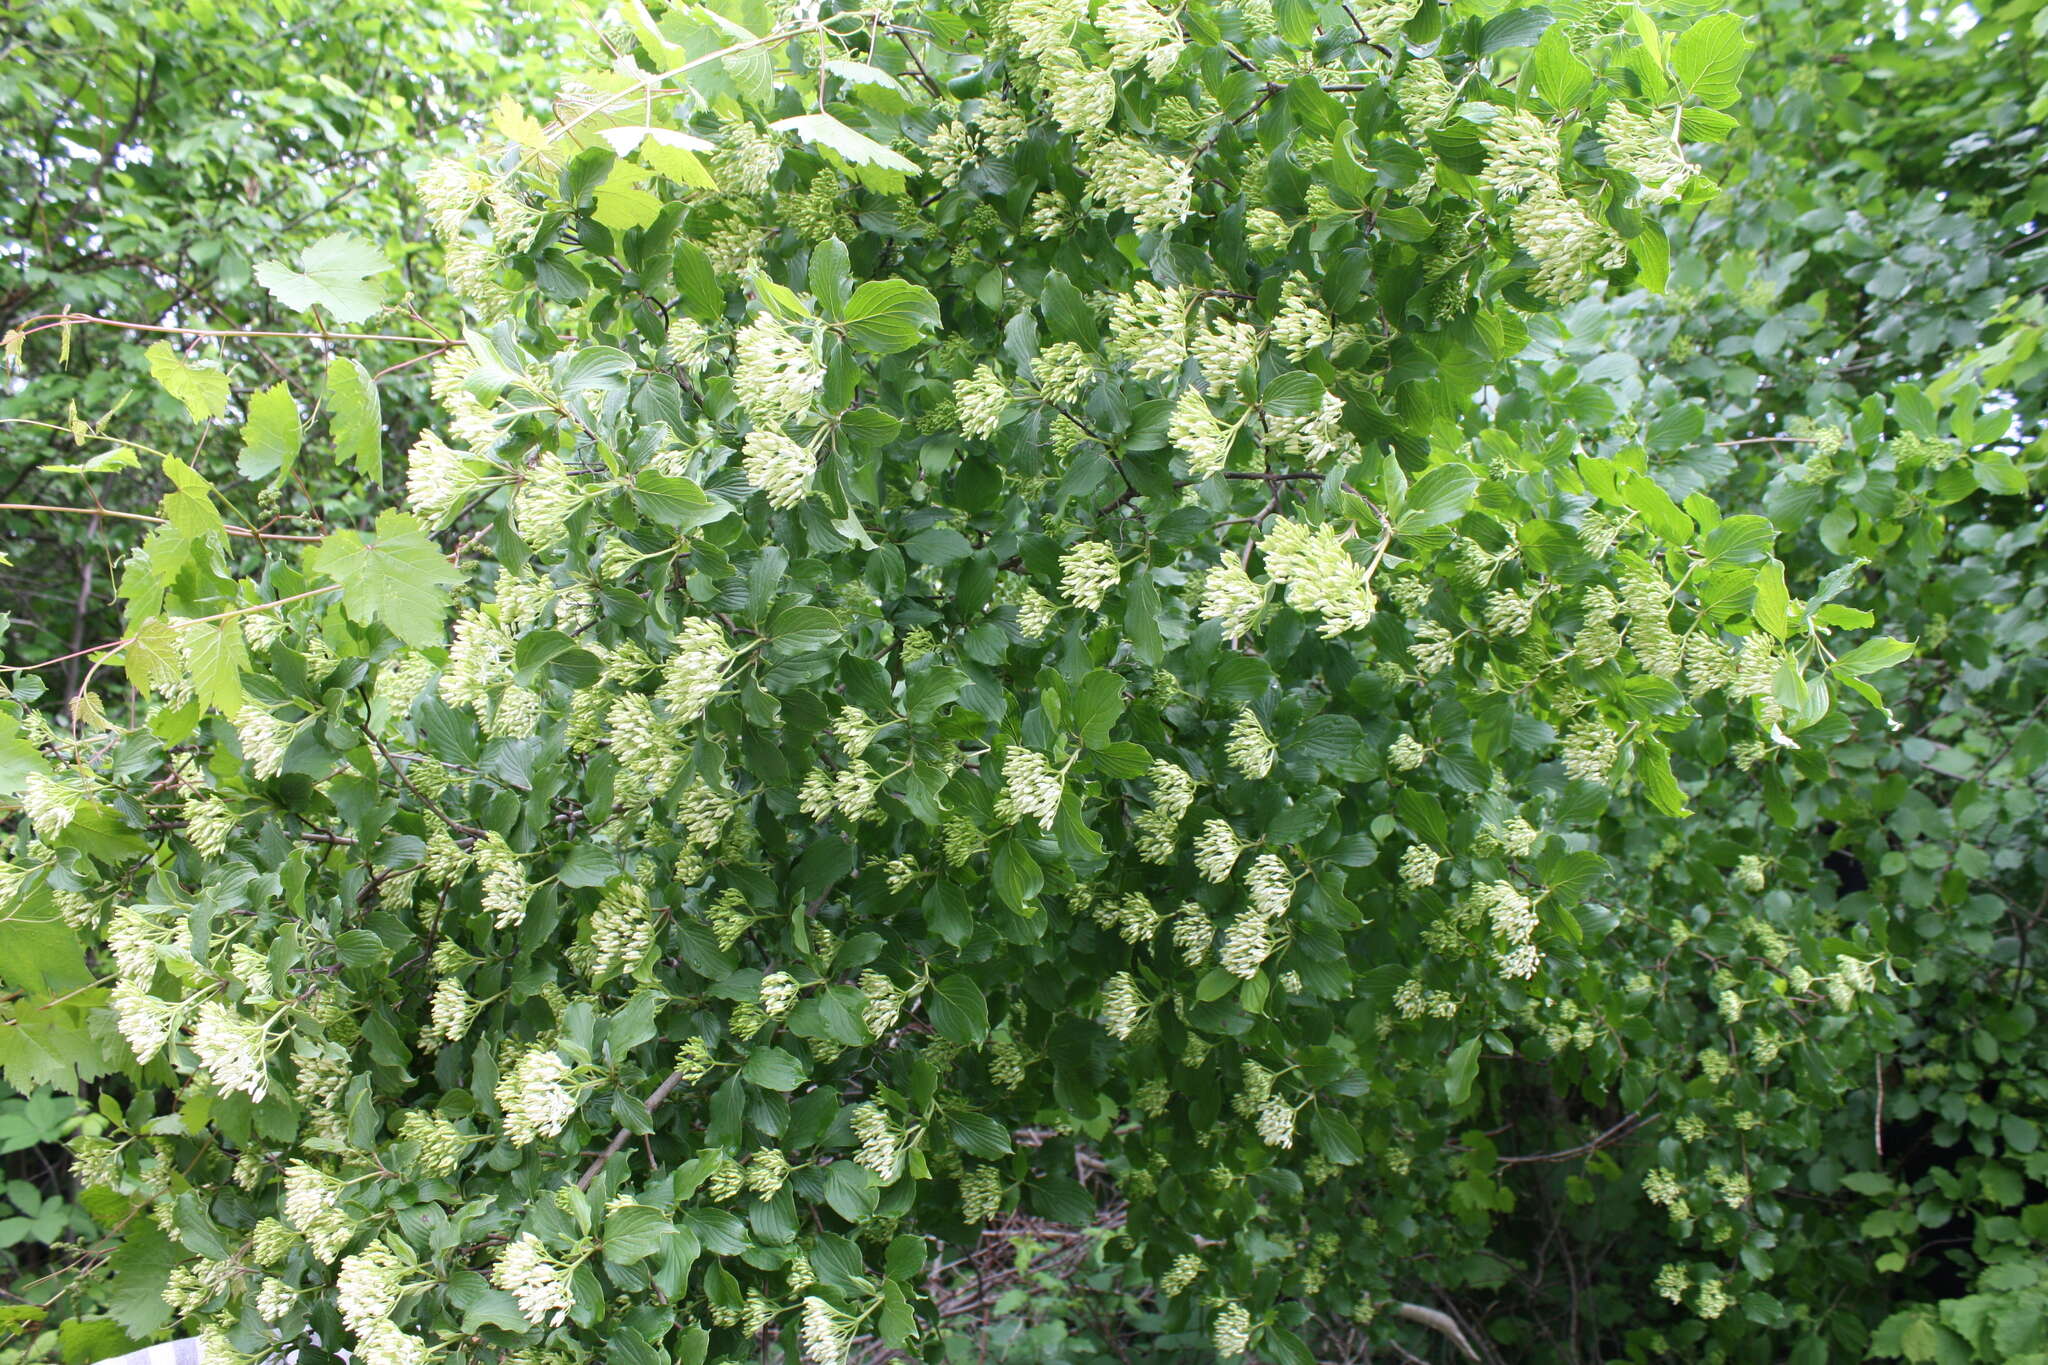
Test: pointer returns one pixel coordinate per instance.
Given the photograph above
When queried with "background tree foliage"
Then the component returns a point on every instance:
(155, 155)
(771, 879)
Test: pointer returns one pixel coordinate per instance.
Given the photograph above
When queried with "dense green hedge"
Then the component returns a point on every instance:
(1183, 623)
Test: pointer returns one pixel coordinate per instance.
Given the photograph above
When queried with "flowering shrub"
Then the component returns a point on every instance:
(953, 655)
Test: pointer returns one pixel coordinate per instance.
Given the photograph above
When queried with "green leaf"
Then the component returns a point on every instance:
(1097, 706)
(140, 1268)
(676, 502)
(979, 1135)
(271, 435)
(857, 147)
(203, 391)
(355, 416)
(399, 579)
(887, 316)
(620, 204)
(1873, 656)
(1772, 608)
(1659, 512)
(216, 655)
(1708, 59)
(1294, 394)
(1017, 875)
(1441, 495)
(1739, 540)
(334, 274)
(1461, 1071)
(958, 1010)
(773, 1069)
(1653, 766)
(1561, 78)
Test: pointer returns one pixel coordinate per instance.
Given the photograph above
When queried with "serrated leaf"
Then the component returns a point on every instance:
(203, 391)
(334, 273)
(355, 416)
(216, 656)
(399, 579)
(857, 147)
(271, 436)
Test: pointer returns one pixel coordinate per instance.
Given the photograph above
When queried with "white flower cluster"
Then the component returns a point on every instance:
(621, 930)
(1647, 150)
(1248, 942)
(1157, 191)
(696, 670)
(1088, 572)
(1216, 850)
(533, 1098)
(1321, 577)
(1061, 371)
(1225, 349)
(1406, 753)
(882, 1003)
(533, 1278)
(1521, 152)
(774, 375)
(1566, 241)
(1418, 866)
(1148, 328)
(1173, 791)
(1301, 326)
(506, 889)
(1275, 1122)
(1080, 98)
(264, 741)
(1590, 749)
(1230, 596)
(548, 496)
(368, 1286)
(981, 1194)
(1194, 429)
(234, 1051)
(1193, 934)
(1231, 1333)
(1425, 94)
(825, 1333)
(747, 159)
(312, 1205)
(1139, 33)
(982, 398)
(880, 1144)
(1033, 786)
(1250, 748)
(778, 466)
(1122, 1006)
(778, 994)
(437, 478)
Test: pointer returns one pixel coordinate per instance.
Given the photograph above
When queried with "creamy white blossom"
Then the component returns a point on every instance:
(1034, 786)
(1087, 572)
(539, 1285)
(778, 466)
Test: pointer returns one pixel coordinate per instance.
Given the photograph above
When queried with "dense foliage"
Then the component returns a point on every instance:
(1040, 619)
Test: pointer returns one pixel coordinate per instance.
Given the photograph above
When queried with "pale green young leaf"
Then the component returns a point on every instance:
(1708, 59)
(202, 390)
(334, 273)
(399, 579)
(271, 436)
(356, 416)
